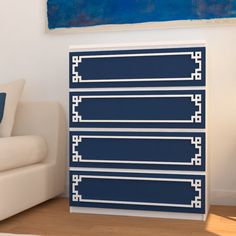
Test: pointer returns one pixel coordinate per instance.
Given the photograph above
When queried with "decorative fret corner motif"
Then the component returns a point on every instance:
(75, 142)
(197, 99)
(76, 78)
(75, 193)
(75, 114)
(197, 159)
(197, 184)
(197, 74)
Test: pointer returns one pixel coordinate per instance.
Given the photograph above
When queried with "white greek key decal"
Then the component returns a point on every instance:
(197, 74)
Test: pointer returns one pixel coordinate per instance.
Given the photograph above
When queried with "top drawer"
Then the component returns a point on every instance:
(138, 68)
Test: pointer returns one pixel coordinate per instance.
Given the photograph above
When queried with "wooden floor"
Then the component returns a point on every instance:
(53, 218)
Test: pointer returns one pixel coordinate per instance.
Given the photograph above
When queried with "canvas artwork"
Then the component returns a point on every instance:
(84, 13)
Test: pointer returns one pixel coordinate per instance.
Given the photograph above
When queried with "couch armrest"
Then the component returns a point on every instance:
(48, 120)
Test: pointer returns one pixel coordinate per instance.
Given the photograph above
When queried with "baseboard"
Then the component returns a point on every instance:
(223, 197)
(152, 214)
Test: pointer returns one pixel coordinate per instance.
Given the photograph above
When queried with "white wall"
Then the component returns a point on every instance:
(26, 51)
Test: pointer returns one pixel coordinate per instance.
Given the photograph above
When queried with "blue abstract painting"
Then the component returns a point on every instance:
(82, 13)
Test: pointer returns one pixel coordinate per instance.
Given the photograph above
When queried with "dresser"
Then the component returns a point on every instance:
(138, 130)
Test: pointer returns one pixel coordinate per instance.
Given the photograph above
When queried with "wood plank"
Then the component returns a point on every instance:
(53, 218)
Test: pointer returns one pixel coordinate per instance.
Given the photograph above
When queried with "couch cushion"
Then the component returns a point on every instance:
(21, 151)
(2, 104)
(13, 92)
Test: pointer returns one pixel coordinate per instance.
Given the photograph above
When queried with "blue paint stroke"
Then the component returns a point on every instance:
(81, 13)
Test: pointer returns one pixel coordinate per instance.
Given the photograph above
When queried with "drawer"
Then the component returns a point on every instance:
(154, 192)
(138, 68)
(138, 109)
(138, 150)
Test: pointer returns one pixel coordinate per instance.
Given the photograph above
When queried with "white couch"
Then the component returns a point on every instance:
(27, 186)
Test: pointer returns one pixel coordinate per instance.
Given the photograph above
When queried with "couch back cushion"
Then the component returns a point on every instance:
(2, 104)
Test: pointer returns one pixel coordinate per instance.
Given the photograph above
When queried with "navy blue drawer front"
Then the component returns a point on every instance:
(155, 192)
(138, 68)
(138, 150)
(138, 109)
